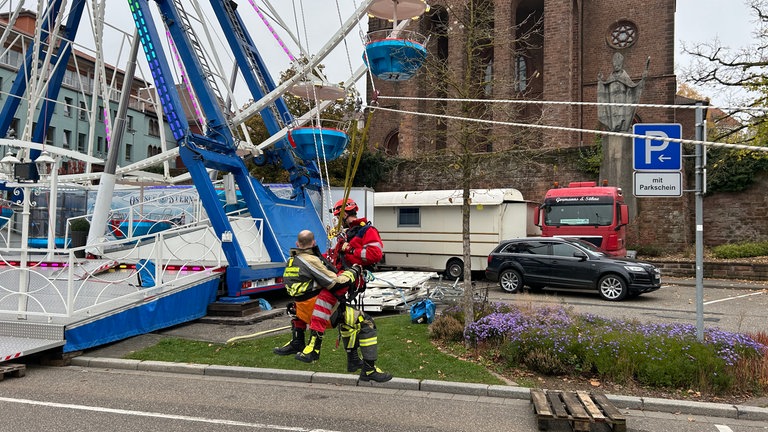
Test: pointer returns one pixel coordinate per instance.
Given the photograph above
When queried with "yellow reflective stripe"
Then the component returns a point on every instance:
(349, 316)
(297, 289)
(368, 342)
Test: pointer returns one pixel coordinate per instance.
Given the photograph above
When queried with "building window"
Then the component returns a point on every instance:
(100, 114)
(69, 78)
(83, 111)
(14, 130)
(99, 144)
(408, 217)
(488, 79)
(49, 137)
(521, 72)
(392, 142)
(622, 35)
(12, 58)
(128, 151)
(66, 138)
(154, 127)
(68, 107)
(81, 143)
(129, 123)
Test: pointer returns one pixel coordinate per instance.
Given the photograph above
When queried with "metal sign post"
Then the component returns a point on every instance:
(701, 135)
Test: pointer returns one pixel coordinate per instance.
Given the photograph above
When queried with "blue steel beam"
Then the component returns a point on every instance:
(216, 121)
(254, 72)
(54, 82)
(282, 218)
(171, 103)
(19, 86)
(256, 196)
(258, 79)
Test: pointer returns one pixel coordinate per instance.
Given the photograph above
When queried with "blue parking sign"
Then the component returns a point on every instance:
(652, 152)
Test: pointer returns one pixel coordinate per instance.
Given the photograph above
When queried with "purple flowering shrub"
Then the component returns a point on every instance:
(553, 340)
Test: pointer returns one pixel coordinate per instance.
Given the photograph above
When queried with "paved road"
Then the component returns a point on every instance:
(110, 398)
(96, 399)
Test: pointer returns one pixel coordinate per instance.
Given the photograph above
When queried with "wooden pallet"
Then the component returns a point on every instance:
(12, 369)
(580, 409)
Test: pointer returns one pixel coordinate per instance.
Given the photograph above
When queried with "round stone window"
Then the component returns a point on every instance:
(622, 35)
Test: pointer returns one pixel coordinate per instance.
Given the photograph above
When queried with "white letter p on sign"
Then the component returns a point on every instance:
(650, 148)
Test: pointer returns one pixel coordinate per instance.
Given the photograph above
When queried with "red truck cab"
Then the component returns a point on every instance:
(587, 211)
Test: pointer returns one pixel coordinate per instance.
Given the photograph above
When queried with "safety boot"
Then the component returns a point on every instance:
(295, 345)
(372, 373)
(311, 352)
(354, 362)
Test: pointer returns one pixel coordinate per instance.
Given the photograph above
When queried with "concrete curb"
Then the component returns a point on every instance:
(431, 386)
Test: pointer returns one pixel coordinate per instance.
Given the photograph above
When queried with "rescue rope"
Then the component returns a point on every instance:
(543, 102)
(356, 146)
(569, 129)
(251, 336)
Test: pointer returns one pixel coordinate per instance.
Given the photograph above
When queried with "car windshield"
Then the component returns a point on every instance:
(579, 214)
(591, 248)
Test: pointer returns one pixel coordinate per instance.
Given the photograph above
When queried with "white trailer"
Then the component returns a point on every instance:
(423, 229)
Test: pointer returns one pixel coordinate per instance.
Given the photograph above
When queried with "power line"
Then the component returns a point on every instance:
(570, 103)
(569, 129)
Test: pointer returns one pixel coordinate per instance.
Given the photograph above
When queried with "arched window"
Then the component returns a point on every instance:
(488, 78)
(392, 142)
(521, 73)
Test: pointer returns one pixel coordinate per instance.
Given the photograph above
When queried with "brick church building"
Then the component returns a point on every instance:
(546, 51)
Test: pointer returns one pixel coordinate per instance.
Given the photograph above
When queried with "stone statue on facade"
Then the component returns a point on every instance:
(619, 89)
(622, 94)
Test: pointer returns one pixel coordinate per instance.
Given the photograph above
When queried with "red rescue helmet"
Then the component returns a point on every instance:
(350, 206)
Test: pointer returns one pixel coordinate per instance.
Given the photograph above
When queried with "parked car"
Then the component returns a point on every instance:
(568, 263)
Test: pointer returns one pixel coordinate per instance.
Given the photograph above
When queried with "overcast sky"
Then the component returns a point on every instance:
(695, 21)
(701, 21)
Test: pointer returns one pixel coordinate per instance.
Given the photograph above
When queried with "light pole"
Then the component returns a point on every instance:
(48, 167)
(45, 164)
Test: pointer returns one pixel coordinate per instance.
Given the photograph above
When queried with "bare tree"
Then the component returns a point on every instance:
(740, 72)
(459, 73)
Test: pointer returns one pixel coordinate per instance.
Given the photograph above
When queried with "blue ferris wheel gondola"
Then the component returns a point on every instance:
(394, 59)
(307, 142)
(5, 215)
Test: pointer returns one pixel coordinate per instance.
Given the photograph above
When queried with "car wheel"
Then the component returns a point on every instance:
(510, 281)
(612, 287)
(454, 269)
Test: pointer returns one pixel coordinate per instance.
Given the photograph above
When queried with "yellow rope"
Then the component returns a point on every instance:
(251, 336)
(356, 152)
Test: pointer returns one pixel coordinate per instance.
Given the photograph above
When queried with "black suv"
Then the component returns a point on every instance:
(568, 263)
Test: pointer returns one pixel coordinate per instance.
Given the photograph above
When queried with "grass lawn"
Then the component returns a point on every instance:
(405, 350)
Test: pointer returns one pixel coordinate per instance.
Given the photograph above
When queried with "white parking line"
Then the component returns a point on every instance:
(721, 428)
(733, 298)
(161, 415)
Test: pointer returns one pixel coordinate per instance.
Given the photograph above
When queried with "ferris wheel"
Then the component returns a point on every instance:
(199, 65)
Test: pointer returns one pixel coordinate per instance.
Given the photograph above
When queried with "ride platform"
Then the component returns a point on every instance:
(94, 302)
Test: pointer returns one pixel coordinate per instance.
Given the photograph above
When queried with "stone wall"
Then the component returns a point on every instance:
(664, 223)
(531, 174)
(741, 270)
(737, 216)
